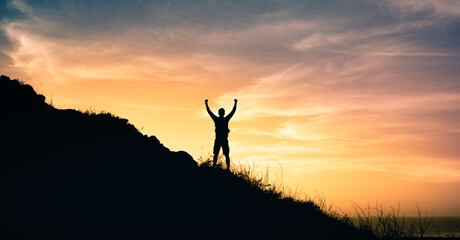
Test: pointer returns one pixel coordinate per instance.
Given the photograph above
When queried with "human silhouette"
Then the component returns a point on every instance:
(221, 123)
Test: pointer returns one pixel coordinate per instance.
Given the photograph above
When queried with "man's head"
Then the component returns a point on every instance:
(221, 112)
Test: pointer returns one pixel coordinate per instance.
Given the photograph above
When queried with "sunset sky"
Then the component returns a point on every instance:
(356, 100)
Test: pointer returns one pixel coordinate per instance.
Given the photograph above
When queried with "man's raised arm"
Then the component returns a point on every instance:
(209, 110)
(230, 115)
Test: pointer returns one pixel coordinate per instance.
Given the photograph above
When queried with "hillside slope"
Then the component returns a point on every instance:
(65, 174)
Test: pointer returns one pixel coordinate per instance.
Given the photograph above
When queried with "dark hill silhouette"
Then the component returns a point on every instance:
(72, 175)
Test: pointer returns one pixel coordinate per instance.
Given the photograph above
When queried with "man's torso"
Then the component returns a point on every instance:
(221, 124)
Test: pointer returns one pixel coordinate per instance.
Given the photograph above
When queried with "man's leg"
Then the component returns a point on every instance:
(215, 152)
(226, 151)
(214, 160)
(227, 160)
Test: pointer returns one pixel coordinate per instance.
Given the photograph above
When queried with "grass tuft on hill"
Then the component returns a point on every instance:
(382, 224)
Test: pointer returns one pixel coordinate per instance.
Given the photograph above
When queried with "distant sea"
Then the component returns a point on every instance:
(442, 226)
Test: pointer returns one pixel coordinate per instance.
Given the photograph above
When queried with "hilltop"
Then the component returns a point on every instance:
(67, 174)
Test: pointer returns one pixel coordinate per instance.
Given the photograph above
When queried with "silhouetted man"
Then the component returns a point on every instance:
(222, 131)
